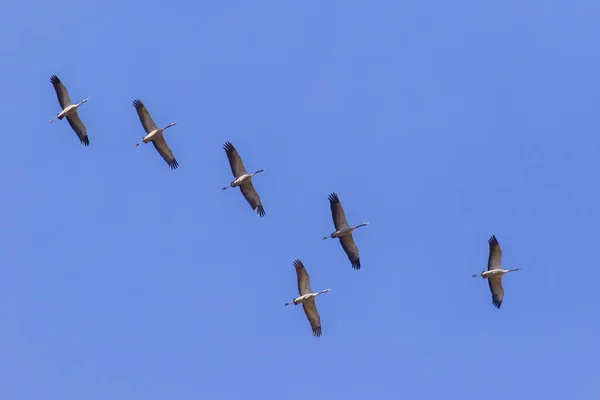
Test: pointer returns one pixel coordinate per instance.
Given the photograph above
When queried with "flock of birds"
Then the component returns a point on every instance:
(243, 180)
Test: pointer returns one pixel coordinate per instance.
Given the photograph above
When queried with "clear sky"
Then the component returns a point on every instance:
(439, 122)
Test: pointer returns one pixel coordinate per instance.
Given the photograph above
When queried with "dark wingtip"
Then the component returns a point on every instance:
(174, 164)
(261, 211)
(333, 197)
(137, 103)
(228, 146)
(317, 332)
(493, 240)
(85, 141)
(497, 304)
(54, 79)
(356, 264)
(298, 264)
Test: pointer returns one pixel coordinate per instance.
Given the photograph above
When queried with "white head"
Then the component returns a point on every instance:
(325, 291)
(84, 100)
(171, 124)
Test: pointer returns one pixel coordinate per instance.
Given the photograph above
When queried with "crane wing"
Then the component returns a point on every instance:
(310, 309)
(144, 115)
(247, 189)
(235, 161)
(497, 290)
(495, 254)
(79, 128)
(61, 92)
(337, 212)
(160, 144)
(303, 278)
(351, 250)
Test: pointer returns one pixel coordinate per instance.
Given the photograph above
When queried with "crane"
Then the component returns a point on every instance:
(307, 298)
(69, 110)
(155, 134)
(495, 272)
(343, 231)
(243, 179)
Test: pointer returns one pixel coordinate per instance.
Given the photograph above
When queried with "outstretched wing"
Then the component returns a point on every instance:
(235, 161)
(247, 189)
(497, 290)
(495, 254)
(145, 117)
(351, 250)
(160, 144)
(79, 128)
(61, 92)
(337, 212)
(310, 309)
(303, 278)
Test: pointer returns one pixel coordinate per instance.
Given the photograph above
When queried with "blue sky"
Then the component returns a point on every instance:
(441, 123)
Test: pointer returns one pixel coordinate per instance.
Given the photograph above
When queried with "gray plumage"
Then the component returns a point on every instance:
(246, 186)
(309, 306)
(495, 282)
(72, 117)
(158, 140)
(343, 231)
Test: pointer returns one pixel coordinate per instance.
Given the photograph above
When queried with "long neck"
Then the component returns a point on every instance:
(363, 224)
(323, 291)
(81, 102)
(514, 269)
(254, 173)
(168, 126)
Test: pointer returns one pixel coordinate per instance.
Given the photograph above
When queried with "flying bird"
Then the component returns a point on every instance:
(343, 231)
(69, 110)
(495, 272)
(307, 298)
(155, 135)
(243, 179)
